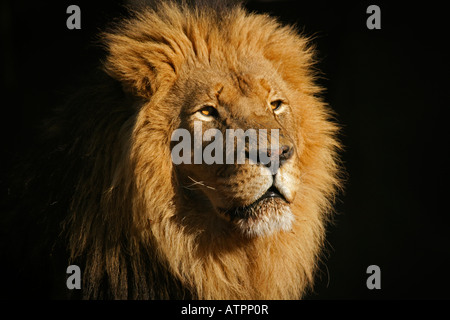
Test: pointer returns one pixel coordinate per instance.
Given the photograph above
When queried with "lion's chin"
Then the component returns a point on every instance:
(263, 218)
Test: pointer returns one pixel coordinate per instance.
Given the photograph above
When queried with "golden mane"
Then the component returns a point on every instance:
(125, 225)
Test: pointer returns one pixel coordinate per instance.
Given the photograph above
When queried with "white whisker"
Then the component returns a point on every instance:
(199, 183)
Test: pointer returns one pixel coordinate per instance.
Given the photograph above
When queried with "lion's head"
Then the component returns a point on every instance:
(143, 225)
(227, 230)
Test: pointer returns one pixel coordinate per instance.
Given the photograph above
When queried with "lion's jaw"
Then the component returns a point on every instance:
(269, 211)
(264, 217)
(254, 203)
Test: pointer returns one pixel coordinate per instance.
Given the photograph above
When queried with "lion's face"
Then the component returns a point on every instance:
(252, 195)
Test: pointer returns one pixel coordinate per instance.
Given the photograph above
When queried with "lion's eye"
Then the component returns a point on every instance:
(209, 111)
(276, 105)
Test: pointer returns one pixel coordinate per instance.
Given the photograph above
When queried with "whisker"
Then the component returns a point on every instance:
(200, 183)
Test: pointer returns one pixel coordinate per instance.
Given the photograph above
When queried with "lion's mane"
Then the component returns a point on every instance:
(111, 202)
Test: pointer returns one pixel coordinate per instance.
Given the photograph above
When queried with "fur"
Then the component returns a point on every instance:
(120, 214)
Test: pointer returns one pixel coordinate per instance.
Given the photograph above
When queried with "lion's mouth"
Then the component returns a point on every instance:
(272, 192)
(272, 197)
(269, 214)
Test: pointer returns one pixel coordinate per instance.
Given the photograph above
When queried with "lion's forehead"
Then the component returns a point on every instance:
(234, 89)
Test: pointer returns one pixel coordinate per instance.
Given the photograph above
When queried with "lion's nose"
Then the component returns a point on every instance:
(284, 153)
(280, 155)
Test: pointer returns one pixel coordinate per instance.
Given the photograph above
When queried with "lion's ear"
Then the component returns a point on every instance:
(142, 64)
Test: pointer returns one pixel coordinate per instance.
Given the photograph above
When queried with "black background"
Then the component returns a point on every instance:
(388, 87)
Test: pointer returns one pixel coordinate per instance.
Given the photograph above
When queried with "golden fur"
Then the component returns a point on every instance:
(133, 227)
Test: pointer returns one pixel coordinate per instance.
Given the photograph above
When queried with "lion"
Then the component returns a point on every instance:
(112, 201)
